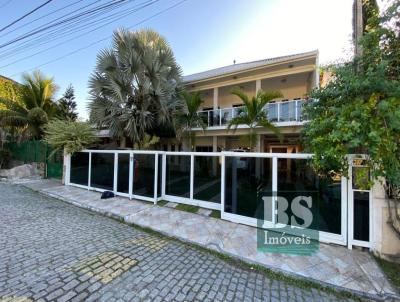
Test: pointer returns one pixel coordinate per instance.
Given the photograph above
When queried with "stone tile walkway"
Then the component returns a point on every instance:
(335, 266)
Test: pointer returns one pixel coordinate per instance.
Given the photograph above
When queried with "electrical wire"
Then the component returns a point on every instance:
(81, 35)
(33, 32)
(26, 15)
(103, 39)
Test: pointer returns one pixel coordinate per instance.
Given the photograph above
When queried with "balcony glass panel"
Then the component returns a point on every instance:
(204, 116)
(178, 175)
(296, 179)
(272, 112)
(102, 172)
(248, 180)
(207, 179)
(79, 168)
(237, 111)
(226, 116)
(284, 114)
(214, 117)
(143, 174)
(123, 173)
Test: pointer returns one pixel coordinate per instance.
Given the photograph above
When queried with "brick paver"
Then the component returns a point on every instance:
(52, 251)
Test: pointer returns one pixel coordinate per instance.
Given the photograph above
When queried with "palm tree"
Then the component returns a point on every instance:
(135, 86)
(254, 115)
(35, 108)
(188, 118)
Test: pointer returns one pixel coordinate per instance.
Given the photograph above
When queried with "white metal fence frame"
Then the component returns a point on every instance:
(323, 236)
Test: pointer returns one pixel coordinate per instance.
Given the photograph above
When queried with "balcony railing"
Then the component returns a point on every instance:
(288, 111)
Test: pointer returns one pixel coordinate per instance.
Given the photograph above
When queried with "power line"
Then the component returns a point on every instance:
(33, 32)
(103, 39)
(116, 17)
(59, 32)
(26, 15)
(39, 18)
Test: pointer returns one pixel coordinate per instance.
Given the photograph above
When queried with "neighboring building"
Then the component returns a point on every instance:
(293, 75)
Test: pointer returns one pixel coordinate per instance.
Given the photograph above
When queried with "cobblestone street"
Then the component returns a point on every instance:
(52, 251)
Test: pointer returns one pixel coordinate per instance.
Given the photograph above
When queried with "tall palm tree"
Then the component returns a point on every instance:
(254, 114)
(35, 108)
(188, 118)
(135, 86)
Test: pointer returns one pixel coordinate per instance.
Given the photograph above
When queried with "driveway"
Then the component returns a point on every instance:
(52, 251)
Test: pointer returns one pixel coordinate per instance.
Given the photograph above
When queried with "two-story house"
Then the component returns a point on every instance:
(293, 75)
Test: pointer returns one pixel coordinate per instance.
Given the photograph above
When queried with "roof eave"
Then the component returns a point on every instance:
(313, 54)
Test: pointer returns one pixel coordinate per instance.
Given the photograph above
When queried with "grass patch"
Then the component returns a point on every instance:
(215, 214)
(162, 203)
(392, 271)
(187, 208)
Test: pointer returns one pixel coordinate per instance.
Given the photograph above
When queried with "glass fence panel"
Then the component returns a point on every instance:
(272, 112)
(123, 173)
(102, 172)
(178, 175)
(296, 179)
(284, 114)
(79, 168)
(247, 181)
(204, 116)
(237, 111)
(361, 215)
(207, 178)
(214, 118)
(226, 116)
(292, 111)
(143, 174)
(299, 108)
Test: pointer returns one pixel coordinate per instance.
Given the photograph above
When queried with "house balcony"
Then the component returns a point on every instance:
(285, 113)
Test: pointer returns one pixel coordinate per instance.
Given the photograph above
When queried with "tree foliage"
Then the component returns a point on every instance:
(35, 108)
(135, 86)
(9, 89)
(254, 114)
(69, 136)
(187, 118)
(358, 112)
(67, 106)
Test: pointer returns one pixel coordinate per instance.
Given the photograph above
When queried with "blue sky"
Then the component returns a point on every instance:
(204, 34)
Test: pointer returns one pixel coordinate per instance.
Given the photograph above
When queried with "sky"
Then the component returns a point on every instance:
(203, 34)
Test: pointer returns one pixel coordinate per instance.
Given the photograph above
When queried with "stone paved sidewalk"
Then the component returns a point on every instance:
(336, 266)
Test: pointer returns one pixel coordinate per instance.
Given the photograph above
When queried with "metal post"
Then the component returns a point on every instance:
(163, 175)
(222, 184)
(155, 177)
(90, 171)
(115, 184)
(131, 159)
(274, 188)
(191, 176)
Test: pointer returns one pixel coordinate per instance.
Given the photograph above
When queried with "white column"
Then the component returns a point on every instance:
(215, 98)
(214, 159)
(258, 85)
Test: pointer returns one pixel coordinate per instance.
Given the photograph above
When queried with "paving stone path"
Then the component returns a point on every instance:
(52, 251)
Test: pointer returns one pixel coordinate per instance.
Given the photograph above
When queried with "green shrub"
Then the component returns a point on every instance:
(69, 136)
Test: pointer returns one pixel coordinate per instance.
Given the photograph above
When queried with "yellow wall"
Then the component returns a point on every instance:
(293, 86)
